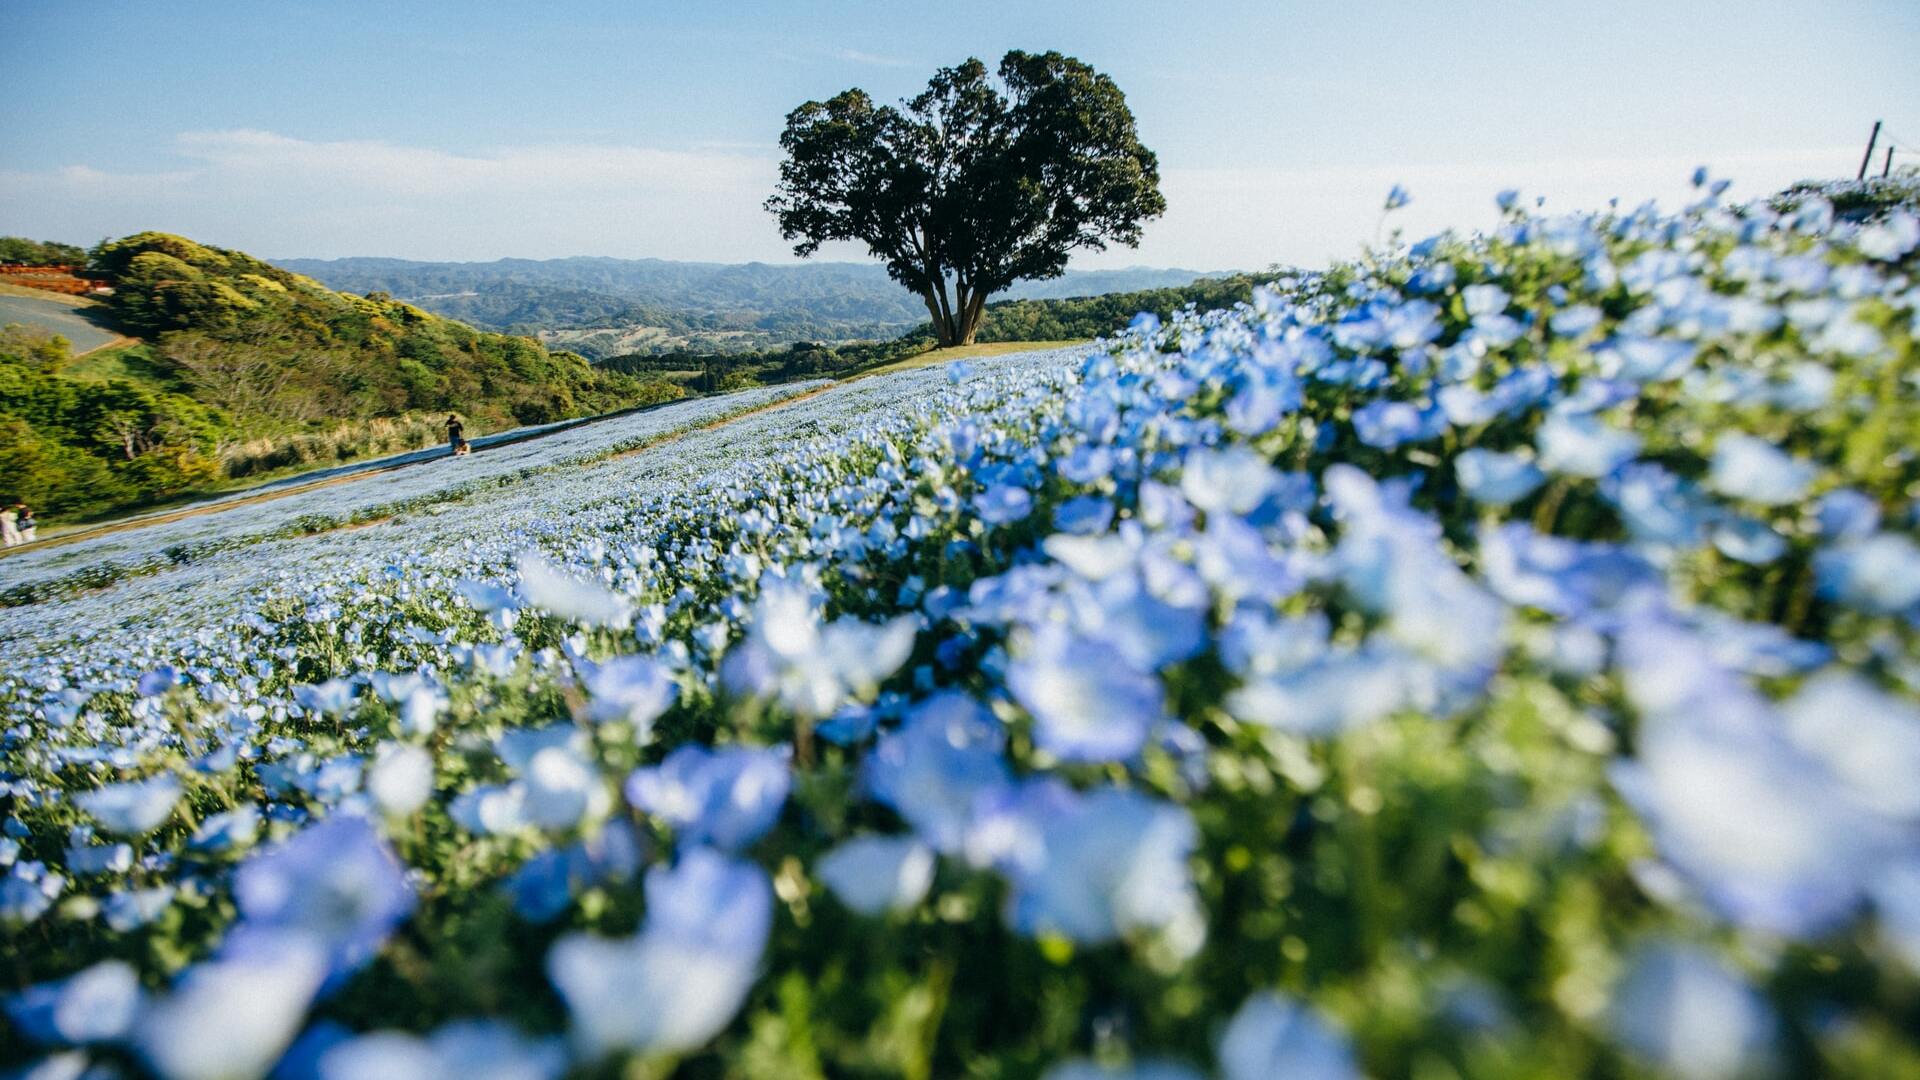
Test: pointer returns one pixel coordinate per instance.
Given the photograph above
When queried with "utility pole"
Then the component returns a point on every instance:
(1867, 159)
(1888, 167)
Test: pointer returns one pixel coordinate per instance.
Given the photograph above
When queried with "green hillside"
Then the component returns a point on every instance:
(247, 368)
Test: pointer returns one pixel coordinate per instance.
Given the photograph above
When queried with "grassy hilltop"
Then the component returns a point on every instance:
(244, 368)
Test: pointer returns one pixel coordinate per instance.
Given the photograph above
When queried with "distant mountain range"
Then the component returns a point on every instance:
(602, 307)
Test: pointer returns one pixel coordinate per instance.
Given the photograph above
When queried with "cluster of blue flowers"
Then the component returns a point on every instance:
(1494, 656)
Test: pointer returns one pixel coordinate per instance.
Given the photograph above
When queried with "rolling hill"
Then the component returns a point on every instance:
(243, 367)
(603, 306)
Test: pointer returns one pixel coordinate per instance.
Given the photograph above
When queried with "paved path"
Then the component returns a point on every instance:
(319, 478)
(55, 317)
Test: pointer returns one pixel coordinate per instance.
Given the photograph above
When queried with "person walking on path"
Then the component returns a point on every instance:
(29, 528)
(454, 430)
(10, 528)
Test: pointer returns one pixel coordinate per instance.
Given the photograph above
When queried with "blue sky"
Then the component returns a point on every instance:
(480, 130)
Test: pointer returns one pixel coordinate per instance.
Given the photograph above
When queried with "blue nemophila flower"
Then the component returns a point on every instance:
(157, 682)
(1890, 239)
(1657, 507)
(333, 697)
(1583, 446)
(27, 891)
(810, 666)
(98, 1004)
(491, 809)
(1688, 1014)
(1878, 573)
(937, 765)
(1756, 471)
(1089, 702)
(1747, 540)
(1576, 320)
(1641, 359)
(1410, 325)
(546, 586)
(228, 830)
(1262, 402)
(130, 909)
(678, 982)
(546, 884)
(1235, 480)
(1755, 824)
(1846, 514)
(1496, 479)
(336, 883)
(1397, 197)
(1086, 515)
(400, 778)
(1389, 561)
(728, 798)
(1111, 863)
(1485, 300)
(1869, 738)
(235, 1015)
(876, 874)
(132, 808)
(83, 858)
(1003, 504)
(1328, 694)
(476, 1049)
(561, 789)
(1126, 611)
(1272, 1036)
(1568, 578)
(1385, 425)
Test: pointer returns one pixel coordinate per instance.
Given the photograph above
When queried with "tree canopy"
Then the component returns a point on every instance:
(20, 250)
(982, 180)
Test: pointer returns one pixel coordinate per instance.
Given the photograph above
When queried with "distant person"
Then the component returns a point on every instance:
(29, 528)
(10, 527)
(454, 430)
(462, 448)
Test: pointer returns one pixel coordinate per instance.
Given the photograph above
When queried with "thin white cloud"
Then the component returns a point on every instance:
(855, 56)
(280, 195)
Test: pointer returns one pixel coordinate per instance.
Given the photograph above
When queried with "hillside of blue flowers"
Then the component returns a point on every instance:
(1498, 656)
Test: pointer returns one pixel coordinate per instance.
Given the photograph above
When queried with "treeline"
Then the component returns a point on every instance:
(70, 446)
(244, 365)
(708, 372)
(1092, 316)
(24, 252)
(1067, 319)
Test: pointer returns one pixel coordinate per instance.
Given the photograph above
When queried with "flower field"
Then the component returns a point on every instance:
(1495, 657)
(36, 573)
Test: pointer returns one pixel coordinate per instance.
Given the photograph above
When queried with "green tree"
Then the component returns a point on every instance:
(977, 183)
(19, 249)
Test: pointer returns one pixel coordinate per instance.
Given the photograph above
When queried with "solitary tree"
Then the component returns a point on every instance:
(974, 184)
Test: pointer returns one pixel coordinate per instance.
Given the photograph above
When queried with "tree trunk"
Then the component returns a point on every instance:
(970, 316)
(942, 325)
